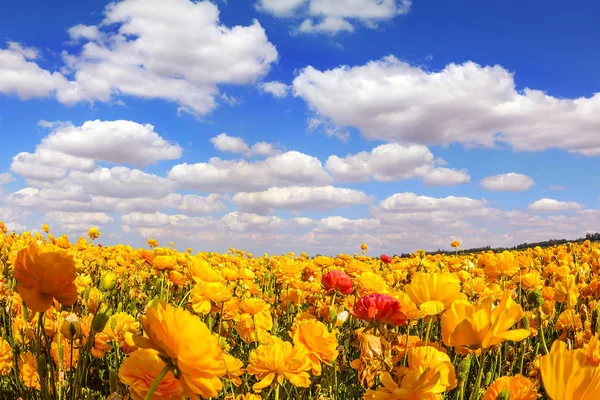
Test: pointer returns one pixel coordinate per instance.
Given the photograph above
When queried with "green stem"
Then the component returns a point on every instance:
(157, 381)
(277, 391)
(406, 345)
(428, 329)
(541, 331)
(475, 392)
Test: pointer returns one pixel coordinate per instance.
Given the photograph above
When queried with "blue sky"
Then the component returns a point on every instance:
(301, 125)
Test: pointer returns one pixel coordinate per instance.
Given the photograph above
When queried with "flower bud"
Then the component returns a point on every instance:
(108, 281)
(464, 367)
(71, 327)
(535, 298)
(101, 319)
(341, 318)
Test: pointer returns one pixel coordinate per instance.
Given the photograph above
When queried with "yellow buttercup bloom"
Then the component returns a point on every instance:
(518, 388)
(28, 370)
(483, 326)
(138, 372)
(433, 292)
(319, 342)
(278, 361)
(174, 333)
(567, 374)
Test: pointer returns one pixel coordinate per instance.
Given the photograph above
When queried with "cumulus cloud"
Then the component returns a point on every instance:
(467, 103)
(290, 168)
(77, 148)
(75, 222)
(393, 162)
(509, 182)
(325, 16)
(178, 51)
(297, 198)
(6, 178)
(552, 205)
(277, 89)
(232, 144)
(410, 202)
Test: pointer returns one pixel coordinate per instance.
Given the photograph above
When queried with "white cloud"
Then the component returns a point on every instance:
(297, 198)
(410, 202)
(509, 182)
(192, 204)
(446, 177)
(232, 144)
(277, 89)
(393, 162)
(24, 78)
(290, 168)
(117, 142)
(229, 144)
(6, 178)
(557, 187)
(279, 8)
(332, 17)
(152, 49)
(121, 182)
(75, 222)
(552, 205)
(394, 101)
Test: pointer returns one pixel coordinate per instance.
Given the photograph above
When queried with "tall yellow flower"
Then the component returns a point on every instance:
(433, 292)
(174, 333)
(138, 372)
(44, 274)
(204, 292)
(505, 264)
(319, 342)
(279, 361)
(483, 326)
(568, 375)
(6, 358)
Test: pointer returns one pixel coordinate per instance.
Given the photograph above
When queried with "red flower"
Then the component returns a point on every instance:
(337, 280)
(379, 308)
(385, 258)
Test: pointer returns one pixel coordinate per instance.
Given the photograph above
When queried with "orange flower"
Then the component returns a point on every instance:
(518, 388)
(138, 372)
(278, 361)
(6, 358)
(28, 370)
(379, 308)
(174, 333)
(44, 274)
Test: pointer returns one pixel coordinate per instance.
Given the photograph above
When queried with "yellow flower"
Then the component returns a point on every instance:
(165, 262)
(235, 369)
(370, 283)
(152, 242)
(505, 264)
(567, 375)
(433, 292)
(484, 326)
(204, 292)
(44, 274)
(139, 371)
(93, 233)
(174, 333)
(278, 361)
(518, 388)
(120, 326)
(6, 358)
(429, 374)
(28, 370)
(319, 342)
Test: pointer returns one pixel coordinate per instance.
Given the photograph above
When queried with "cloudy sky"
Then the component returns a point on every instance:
(301, 125)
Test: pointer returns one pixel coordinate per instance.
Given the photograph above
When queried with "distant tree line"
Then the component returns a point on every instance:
(592, 237)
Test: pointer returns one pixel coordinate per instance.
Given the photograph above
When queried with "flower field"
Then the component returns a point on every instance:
(83, 321)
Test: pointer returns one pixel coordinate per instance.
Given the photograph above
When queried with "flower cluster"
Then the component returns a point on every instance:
(83, 320)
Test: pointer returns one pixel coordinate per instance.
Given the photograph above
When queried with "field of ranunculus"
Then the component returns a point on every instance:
(83, 321)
